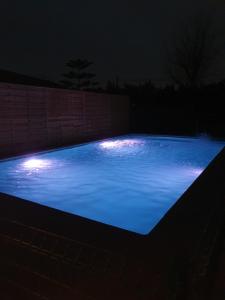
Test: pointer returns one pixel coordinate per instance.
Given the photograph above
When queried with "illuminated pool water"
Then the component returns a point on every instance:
(128, 182)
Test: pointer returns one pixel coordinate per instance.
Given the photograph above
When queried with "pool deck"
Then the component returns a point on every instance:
(50, 254)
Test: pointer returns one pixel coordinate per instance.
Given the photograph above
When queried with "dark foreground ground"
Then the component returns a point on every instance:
(47, 254)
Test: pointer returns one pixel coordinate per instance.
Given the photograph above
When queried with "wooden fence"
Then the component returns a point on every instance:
(36, 118)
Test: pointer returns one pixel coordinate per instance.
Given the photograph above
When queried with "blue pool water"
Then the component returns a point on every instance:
(128, 182)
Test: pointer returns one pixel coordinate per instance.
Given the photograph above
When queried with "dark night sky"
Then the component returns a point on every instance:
(124, 38)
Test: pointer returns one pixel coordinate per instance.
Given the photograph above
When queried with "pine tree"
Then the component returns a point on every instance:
(77, 76)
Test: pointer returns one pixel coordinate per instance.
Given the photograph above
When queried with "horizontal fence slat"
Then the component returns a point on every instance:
(39, 117)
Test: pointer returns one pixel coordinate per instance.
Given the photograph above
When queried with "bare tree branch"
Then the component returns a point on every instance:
(193, 52)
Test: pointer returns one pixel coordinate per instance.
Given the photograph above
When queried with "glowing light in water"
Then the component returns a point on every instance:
(36, 164)
(119, 143)
(191, 171)
(197, 171)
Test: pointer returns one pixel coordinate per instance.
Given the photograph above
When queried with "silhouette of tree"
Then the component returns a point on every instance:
(193, 52)
(77, 76)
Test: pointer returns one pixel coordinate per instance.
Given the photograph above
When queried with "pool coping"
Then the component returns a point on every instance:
(86, 220)
(89, 141)
(88, 224)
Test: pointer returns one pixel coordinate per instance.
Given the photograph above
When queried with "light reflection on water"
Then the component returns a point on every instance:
(128, 182)
(36, 164)
(120, 143)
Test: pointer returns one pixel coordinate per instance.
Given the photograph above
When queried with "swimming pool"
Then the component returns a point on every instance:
(128, 182)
